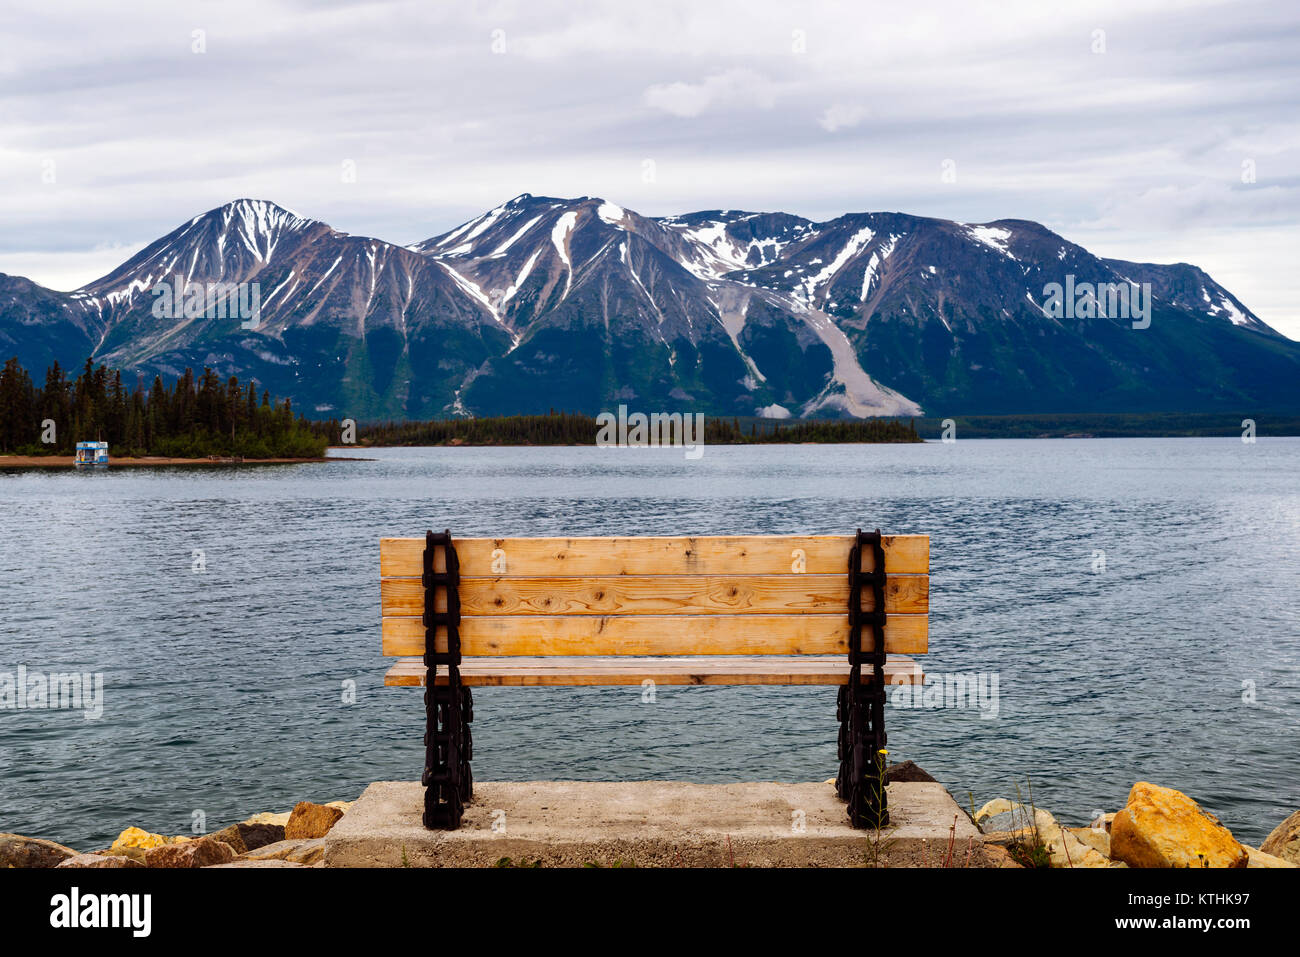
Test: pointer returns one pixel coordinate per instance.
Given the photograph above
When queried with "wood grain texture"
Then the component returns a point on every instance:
(513, 635)
(763, 670)
(657, 595)
(595, 557)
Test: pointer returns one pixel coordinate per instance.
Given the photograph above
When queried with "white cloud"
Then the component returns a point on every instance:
(733, 88)
(840, 116)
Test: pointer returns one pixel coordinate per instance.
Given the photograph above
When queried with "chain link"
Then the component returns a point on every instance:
(449, 708)
(860, 708)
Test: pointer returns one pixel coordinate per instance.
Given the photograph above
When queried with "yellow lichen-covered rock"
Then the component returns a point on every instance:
(1161, 827)
(136, 837)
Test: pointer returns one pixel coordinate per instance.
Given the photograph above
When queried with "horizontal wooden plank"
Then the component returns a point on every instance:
(808, 634)
(765, 670)
(589, 557)
(657, 595)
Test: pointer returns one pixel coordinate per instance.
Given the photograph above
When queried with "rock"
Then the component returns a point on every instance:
(230, 835)
(19, 851)
(201, 853)
(133, 853)
(101, 860)
(266, 817)
(1161, 827)
(298, 851)
(1263, 859)
(994, 855)
(1105, 821)
(136, 837)
(1013, 820)
(259, 835)
(906, 771)
(1284, 841)
(1005, 823)
(1096, 838)
(310, 821)
(995, 807)
(260, 863)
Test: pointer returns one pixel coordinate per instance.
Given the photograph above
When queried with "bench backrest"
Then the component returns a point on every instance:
(733, 595)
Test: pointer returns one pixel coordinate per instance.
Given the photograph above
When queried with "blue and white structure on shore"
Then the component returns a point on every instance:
(91, 455)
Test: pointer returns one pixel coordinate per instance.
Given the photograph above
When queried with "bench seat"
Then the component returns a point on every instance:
(632, 670)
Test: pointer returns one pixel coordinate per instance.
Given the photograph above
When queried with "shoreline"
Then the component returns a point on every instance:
(149, 461)
(682, 824)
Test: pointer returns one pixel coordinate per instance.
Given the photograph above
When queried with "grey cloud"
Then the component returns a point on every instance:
(146, 134)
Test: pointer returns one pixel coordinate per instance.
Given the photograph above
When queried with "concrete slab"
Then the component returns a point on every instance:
(651, 823)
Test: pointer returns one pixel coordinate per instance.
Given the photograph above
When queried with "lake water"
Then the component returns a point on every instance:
(1178, 663)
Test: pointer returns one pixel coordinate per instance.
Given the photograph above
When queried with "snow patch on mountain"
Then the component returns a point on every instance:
(614, 215)
(994, 237)
(1226, 305)
(560, 238)
(501, 250)
(855, 245)
(878, 257)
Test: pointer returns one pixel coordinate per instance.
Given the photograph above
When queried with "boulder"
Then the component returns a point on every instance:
(1003, 815)
(1284, 841)
(269, 817)
(1161, 827)
(259, 835)
(133, 853)
(101, 860)
(1096, 838)
(298, 851)
(201, 853)
(19, 851)
(1261, 859)
(906, 771)
(310, 821)
(136, 837)
(230, 835)
(1005, 823)
(242, 862)
(993, 855)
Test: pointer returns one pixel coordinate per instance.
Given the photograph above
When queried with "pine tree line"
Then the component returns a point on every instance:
(191, 418)
(568, 428)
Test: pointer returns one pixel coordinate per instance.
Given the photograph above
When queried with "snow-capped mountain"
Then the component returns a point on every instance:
(608, 306)
(581, 304)
(343, 320)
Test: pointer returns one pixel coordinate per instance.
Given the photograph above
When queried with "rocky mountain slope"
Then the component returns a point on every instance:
(581, 304)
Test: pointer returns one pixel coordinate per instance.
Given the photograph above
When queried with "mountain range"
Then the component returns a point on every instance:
(582, 305)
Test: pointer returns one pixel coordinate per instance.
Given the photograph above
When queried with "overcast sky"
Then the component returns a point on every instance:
(1128, 127)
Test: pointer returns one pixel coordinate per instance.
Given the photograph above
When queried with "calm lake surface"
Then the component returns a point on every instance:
(1178, 663)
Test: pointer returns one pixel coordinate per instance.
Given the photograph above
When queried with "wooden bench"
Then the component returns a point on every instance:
(756, 610)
